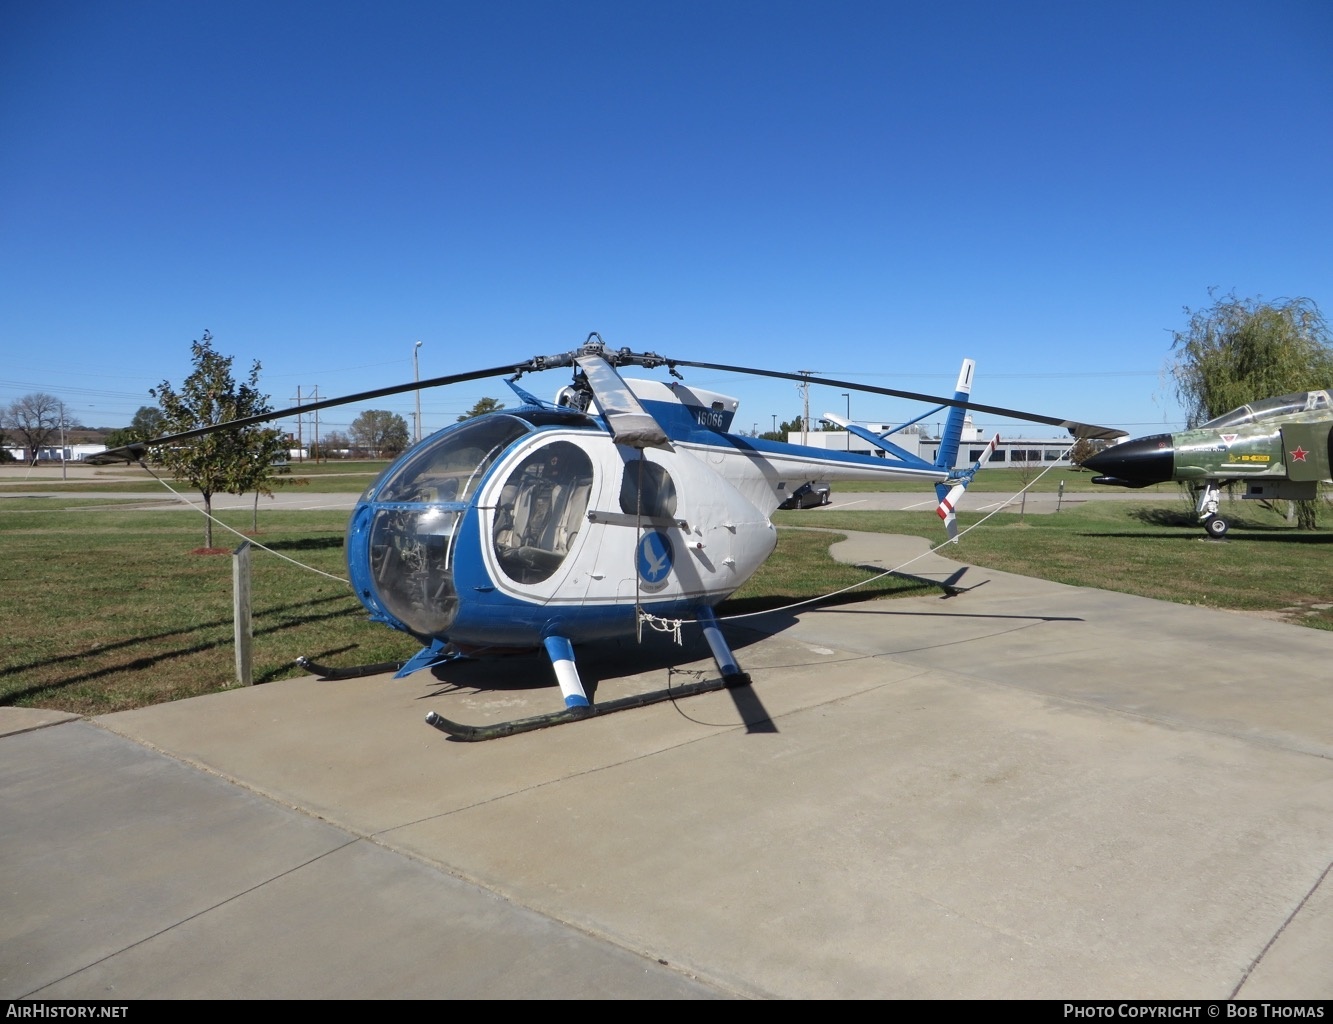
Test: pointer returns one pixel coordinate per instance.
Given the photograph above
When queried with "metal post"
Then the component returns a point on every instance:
(416, 424)
(240, 585)
(315, 396)
(300, 429)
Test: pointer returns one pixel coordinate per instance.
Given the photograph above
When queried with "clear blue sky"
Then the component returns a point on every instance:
(870, 190)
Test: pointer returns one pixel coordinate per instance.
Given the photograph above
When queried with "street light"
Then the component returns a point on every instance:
(849, 419)
(416, 372)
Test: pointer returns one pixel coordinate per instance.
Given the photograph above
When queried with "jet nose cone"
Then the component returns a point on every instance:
(1137, 463)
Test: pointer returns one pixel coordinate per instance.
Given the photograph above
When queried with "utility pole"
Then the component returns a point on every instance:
(315, 396)
(416, 371)
(300, 438)
(804, 389)
(62, 442)
(849, 420)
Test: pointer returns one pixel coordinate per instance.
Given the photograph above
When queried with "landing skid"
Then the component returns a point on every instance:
(477, 733)
(354, 672)
(577, 706)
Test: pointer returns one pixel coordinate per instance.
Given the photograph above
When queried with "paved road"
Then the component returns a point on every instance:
(1028, 790)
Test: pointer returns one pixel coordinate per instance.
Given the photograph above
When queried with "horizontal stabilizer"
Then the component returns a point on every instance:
(878, 441)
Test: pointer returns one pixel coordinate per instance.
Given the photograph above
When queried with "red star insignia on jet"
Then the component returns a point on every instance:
(1299, 454)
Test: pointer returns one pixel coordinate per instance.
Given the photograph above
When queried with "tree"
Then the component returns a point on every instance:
(36, 419)
(1084, 449)
(227, 461)
(792, 425)
(147, 424)
(1238, 350)
(482, 407)
(333, 445)
(379, 433)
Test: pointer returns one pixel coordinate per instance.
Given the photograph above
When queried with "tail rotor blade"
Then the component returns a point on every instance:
(949, 502)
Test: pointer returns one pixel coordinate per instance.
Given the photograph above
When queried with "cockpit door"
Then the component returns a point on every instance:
(536, 517)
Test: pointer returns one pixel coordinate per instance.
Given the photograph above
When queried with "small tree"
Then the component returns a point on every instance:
(482, 407)
(332, 445)
(1082, 450)
(147, 424)
(36, 420)
(379, 432)
(1240, 350)
(227, 461)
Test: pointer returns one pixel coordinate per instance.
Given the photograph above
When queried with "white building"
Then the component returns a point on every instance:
(54, 453)
(1017, 451)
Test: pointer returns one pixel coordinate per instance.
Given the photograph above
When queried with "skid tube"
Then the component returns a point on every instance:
(354, 672)
(477, 733)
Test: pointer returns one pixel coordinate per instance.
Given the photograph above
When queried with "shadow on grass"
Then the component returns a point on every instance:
(1187, 519)
(307, 544)
(150, 660)
(1164, 517)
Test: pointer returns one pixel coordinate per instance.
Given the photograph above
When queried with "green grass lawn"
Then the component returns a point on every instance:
(1153, 549)
(341, 477)
(991, 480)
(108, 609)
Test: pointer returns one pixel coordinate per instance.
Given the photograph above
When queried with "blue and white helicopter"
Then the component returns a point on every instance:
(624, 501)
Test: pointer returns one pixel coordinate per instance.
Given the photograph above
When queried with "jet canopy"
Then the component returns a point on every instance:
(1301, 401)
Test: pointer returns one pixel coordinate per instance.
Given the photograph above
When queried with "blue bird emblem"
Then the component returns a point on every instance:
(653, 558)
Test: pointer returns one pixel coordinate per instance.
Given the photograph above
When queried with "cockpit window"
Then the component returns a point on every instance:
(1302, 401)
(449, 468)
(647, 489)
(542, 507)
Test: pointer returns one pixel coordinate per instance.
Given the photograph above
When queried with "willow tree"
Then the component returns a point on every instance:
(226, 461)
(1239, 350)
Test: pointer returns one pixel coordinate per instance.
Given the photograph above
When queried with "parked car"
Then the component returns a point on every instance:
(808, 495)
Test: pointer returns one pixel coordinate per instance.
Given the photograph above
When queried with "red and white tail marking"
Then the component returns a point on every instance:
(947, 504)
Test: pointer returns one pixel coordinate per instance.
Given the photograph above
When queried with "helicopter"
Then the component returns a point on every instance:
(1277, 447)
(623, 503)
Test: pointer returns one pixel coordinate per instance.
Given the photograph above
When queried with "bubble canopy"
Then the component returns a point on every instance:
(402, 539)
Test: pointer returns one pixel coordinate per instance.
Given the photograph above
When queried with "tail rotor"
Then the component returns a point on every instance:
(950, 497)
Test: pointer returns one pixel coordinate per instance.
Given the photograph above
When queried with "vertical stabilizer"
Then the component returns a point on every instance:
(953, 424)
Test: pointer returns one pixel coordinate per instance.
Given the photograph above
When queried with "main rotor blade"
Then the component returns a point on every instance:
(630, 423)
(1075, 428)
(135, 451)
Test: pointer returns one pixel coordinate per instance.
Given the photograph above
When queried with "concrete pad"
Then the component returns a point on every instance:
(129, 875)
(14, 720)
(1026, 790)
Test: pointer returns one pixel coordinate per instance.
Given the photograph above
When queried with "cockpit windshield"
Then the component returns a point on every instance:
(408, 533)
(450, 467)
(1302, 401)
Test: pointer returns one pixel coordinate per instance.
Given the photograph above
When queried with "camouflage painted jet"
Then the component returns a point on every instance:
(1277, 448)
